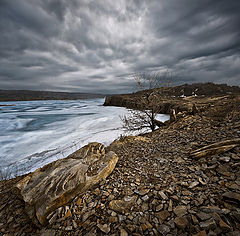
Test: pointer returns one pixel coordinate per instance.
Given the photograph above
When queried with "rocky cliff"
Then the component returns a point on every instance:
(181, 98)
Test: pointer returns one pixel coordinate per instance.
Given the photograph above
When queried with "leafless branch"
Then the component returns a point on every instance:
(147, 104)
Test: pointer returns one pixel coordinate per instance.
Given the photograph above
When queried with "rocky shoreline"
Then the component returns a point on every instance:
(160, 185)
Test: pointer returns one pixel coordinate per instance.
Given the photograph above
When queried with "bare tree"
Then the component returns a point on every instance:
(147, 104)
(147, 80)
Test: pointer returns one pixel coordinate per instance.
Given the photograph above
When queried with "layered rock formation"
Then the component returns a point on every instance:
(57, 183)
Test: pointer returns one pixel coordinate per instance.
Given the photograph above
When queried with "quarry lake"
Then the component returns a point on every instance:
(34, 133)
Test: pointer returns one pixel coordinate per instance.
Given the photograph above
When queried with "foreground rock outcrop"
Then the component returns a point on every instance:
(57, 183)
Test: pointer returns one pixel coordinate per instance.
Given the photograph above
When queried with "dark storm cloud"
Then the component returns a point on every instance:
(95, 46)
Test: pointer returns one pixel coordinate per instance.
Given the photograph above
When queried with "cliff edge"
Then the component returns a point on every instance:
(180, 98)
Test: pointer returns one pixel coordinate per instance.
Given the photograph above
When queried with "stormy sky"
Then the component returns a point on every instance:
(95, 46)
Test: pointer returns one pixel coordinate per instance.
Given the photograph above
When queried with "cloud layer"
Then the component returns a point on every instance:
(95, 46)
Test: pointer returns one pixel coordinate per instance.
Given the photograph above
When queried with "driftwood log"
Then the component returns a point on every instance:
(216, 148)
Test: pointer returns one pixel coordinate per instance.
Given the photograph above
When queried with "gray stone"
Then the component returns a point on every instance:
(53, 218)
(69, 228)
(104, 228)
(193, 184)
(163, 195)
(181, 222)
(225, 159)
(232, 197)
(163, 229)
(208, 225)
(162, 216)
(203, 216)
(211, 209)
(48, 232)
(123, 232)
(145, 198)
(159, 207)
(122, 206)
(144, 207)
(180, 210)
(74, 224)
(87, 215)
(142, 192)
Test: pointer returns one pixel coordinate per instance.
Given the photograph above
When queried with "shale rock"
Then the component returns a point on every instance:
(180, 210)
(122, 206)
(181, 222)
(57, 183)
(232, 197)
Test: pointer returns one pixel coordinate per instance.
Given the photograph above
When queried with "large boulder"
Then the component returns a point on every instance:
(57, 183)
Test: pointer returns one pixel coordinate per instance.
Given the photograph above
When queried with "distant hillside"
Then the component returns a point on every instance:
(28, 95)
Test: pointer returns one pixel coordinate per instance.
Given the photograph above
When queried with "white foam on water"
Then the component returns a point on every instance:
(35, 133)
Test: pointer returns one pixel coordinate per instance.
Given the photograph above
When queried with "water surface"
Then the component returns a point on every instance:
(34, 133)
